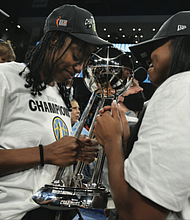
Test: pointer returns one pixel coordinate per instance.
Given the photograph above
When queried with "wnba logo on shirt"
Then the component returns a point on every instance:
(59, 128)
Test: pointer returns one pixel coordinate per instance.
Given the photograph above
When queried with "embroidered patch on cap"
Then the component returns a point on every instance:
(90, 23)
(61, 22)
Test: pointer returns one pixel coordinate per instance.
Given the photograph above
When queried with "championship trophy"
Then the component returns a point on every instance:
(108, 74)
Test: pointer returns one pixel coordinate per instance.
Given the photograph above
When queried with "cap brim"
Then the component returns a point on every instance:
(92, 39)
(143, 50)
(3, 15)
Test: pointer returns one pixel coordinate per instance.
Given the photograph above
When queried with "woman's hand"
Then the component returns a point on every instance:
(67, 150)
(126, 129)
(108, 126)
(111, 125)
(63, 152)
(89, 152)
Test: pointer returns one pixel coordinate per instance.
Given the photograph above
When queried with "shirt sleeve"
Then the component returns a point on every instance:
(3, 99)
(158, 166)
(3, 94)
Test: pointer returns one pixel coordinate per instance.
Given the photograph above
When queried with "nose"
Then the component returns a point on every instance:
(148, 62)
(78, 111)
(78, 67)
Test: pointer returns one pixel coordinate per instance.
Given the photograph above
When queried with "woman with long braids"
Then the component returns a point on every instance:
(35, 125)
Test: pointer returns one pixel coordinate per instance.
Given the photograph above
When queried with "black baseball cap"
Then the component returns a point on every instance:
(76, 21)
(176, 25)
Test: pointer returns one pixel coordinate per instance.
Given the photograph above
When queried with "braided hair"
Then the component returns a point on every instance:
(35, 63)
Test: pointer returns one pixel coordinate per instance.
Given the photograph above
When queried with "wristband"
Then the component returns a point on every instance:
(41, 155)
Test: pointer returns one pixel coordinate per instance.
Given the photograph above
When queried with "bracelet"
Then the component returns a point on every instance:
(41, 155)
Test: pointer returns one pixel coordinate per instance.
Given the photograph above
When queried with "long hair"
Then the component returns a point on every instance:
(180, 60)
(36, 59)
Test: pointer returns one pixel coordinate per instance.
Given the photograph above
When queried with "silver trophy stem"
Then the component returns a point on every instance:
(58, 179)
(85, 114)
(97, 174)
(77, 174)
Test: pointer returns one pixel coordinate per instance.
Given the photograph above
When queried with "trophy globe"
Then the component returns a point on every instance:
(110, 71)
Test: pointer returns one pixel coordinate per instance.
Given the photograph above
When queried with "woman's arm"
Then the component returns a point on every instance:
(63, 152)
(110, 131)
(130, 204)
(15, 160)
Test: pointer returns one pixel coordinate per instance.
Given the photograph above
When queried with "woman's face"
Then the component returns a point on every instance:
(159, 65)
(71, 62)
(75, 113)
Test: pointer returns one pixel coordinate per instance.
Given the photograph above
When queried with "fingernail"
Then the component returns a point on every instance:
(119, 105)
(114, 102)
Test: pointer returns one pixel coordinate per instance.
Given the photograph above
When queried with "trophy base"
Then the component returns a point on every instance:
(59, 197)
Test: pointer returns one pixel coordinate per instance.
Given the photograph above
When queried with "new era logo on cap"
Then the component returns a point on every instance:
(181, 27)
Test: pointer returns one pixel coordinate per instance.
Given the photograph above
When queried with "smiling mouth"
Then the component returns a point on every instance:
(71, 75)
(151, 65)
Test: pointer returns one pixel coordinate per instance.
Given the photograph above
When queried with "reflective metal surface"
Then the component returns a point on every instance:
(55, 197)
(109, 70)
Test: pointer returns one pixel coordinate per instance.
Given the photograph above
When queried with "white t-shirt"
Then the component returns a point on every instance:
(27, 121)
(158, 166)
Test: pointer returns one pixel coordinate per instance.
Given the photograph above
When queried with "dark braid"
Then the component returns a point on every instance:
(36, 60)
(65, 93)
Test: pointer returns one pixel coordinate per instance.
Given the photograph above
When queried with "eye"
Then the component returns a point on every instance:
(76, 58)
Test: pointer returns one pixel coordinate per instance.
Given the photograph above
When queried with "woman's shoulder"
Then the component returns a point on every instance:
(12, 69)
(178, 83)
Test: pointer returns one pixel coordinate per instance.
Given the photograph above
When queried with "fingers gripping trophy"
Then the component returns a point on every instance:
(108, 74)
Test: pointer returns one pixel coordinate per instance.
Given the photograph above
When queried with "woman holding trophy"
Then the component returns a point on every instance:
(152, 181)
(35, 128)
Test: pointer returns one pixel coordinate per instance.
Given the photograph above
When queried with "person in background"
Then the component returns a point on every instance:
(75, 115)
(35, 126)
(153, 182)
(6, 52)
